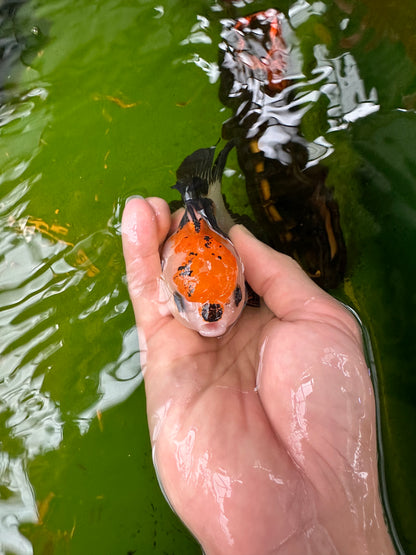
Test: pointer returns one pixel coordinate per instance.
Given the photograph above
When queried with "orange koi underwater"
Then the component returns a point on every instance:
(201, 270)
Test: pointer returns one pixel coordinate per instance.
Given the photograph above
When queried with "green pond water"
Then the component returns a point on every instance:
(104, 100)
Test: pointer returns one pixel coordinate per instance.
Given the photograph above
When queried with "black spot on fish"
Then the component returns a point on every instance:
(219, 257)
(211, 312)
(190, 289)
(185, 270)
(179, 301)
(208, 242)
(237, 295)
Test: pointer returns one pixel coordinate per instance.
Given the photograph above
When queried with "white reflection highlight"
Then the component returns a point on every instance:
(160, 12)
(118, 380)
(344, 88)
(337, 360)
(197, 34)
(19, 507)
(271, 476)
(299, 424)
(35, 419)
(195, 469)
(221, 485)
(184, 454)
(210, 68)
(158, 420)
(302, 10)
(260, 364)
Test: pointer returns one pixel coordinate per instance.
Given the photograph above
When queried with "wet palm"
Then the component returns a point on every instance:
(264, 440)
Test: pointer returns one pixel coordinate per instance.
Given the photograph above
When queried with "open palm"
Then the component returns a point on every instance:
(264, 440)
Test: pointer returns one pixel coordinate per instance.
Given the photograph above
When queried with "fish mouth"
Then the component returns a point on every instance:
(213, 329)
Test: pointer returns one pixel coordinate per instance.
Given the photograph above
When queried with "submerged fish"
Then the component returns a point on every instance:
(286, 182)
(201, 270)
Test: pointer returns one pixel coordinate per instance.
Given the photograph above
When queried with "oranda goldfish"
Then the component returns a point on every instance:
(201, 270)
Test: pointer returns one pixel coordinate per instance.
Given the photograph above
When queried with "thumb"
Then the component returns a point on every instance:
(144, 227)
(278, 278)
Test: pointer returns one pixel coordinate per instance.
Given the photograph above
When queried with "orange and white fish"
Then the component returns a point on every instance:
(201, 270)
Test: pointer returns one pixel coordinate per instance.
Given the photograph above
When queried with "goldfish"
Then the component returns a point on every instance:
(202, 273)
(286, 183)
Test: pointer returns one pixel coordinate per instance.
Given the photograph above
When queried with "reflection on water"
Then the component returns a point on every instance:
(118, 379)
(271, 86)
(58, 301)
(68, 346)
(345, 90)
(19, 506)
(337, 79)
(60, 296)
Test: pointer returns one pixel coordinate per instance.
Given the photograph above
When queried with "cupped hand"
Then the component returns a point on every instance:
(264, 440)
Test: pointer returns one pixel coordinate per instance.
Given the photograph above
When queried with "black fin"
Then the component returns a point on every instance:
(252, 298)
(195, 173)
(198, 170)
(200, 206)
(220, 162)
(238, 296)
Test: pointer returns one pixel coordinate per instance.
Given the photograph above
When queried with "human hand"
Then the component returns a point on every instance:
(264, 440)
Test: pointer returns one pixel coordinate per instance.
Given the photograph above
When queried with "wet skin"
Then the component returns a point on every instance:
(264, 440)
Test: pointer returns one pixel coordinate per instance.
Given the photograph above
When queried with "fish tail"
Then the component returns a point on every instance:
(194, 174)
(220, 162)
(198, 171)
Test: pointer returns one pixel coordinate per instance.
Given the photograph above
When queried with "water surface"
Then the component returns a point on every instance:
(101, 100)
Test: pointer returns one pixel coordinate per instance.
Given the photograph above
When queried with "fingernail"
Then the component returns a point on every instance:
(133, 197)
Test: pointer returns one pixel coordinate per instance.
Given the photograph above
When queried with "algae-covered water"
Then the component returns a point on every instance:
(101, 100)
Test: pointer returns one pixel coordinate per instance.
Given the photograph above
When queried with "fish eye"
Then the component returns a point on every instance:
(211, 312)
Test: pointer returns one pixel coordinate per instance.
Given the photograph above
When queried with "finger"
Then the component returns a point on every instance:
(279, 279)
(163, 220)
(145, 224)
